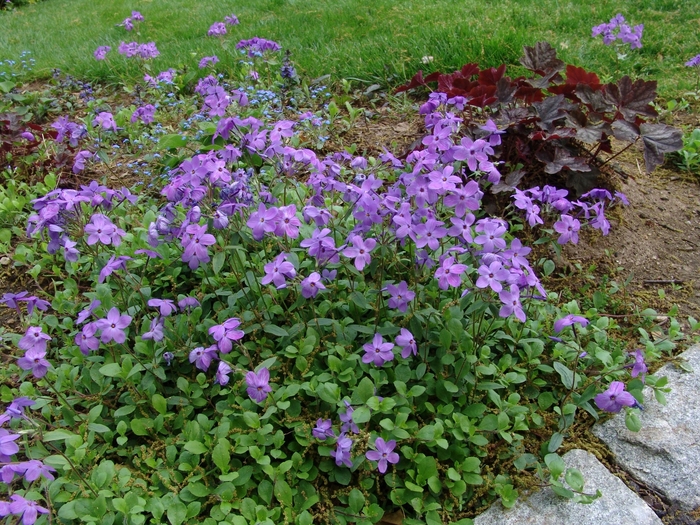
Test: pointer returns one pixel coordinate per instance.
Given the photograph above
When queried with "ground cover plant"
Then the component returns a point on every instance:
(264, 331)
(370, 41)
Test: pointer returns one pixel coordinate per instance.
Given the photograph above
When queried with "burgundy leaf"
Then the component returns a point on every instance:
(510, 182)
(416, 81)
(594, 99)
(623, 130)
(541, 59)
(505, 90)
(549, 110)
(632, 99)
(659, 139)
(562, 159)
(491, 76)
(578, 75)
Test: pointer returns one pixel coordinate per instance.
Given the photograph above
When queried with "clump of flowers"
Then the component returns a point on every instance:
(134, 49)
(617, 29)
(256, 46)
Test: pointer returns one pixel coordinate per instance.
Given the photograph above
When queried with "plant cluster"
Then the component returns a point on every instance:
(283, 336)
(559, 121)
(688, 158)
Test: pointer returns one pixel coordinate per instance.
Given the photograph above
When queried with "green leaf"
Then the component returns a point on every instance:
(566, 375)
(111, 370)
(575, 479)
(275, 330)
(57, 435)
(159, 404)
(632, 421)
(96, 427)
(356, 501)
(283, 492)
(141, 426)
(251, 419)
(170, 142)
(221, 455)
(358, 300)
(555, 442)
(329, 392)
(217, 262)
(365, 389)
(555, 464)
(361, 415)
(196, 447)
(177, 512)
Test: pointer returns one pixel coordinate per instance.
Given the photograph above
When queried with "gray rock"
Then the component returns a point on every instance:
(618, 505)
(665, 453)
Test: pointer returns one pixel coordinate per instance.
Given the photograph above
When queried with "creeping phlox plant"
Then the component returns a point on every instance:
(289, 337)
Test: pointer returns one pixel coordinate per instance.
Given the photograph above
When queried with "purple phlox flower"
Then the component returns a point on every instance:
(384, 453)
(329, 275)
(101, 229)
(168, 357)
(287, 222)
(155, 331)
(217, 29)
(569, 320)
(127, 24)
(311, 285)
(491, 231)
(693, 62)
(35, 360)
(614, 398)
(148, 50)
(511, 303)
(34, 339)
(360, 251)
(28, 510)
(568, 227)
(105, 120)
(202, 357)
(8, 447)
(231, 20)
(258, 385)
(639, 366)
(113, 326)
(73, 131)
(278, 271)
(208, 61)
(195, 241)
(257, 46)
(188, 303)
(492, 276)
(222, 373)
(400, 296)
(31, 470)
(86, 340)
(166, 306)
(135, 15)
(348, 425)
(472, 151)
(465, 198)
(87, 312)
(443, 181)
(378, 352)
(114, 264)
(149, 253)
(262, 221)
(27, 135)
(321, 246)
(16, 409)
(407, 342)
(225, 334)
(145, 113)
(11, 299)
(428, 234)
(342, 451)
(80, 158)
(448, 274)
(494, 133)
(101, 52)
(461, 227)
(323, 429)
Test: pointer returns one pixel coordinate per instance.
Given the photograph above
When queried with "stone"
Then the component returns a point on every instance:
(665, 453)
(618, 504)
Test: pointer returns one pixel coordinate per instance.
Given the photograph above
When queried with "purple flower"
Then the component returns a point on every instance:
(8, 447)
(87, 312)
(217, 29)
(86, 340)
(693, 62)
(135, 15)
(568, 227)
(195, 242)
(323, 429)
(144, 113)
(569, 320)
(342, 451)
(28, 510)
(360, 251)
(11, 299)
(348, 425)
(202, 357)
(511, 303)
(34, 360)
(113, 326)
(79, 162)
(34, 339)
(188, 303)
(101, 229)
(101, 52)
(224, 334)
(614, 398)
(400, 296)
(222, 373)
(407, 342)
(640, 366)
(258, 385)
(287, 222)
(262, 221)
(105, 120)
(165, 306)
(155, 331)
(448, 274)
(16, 409)
(311, 285)
(114, 264)
(378, 352)
(257, 46)
(31, 470)
(277, 270)
(492, 276)
(208, 61)
(384, 453)
(231, 20)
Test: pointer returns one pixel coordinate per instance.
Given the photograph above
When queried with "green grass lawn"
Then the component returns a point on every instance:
(379, 40)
